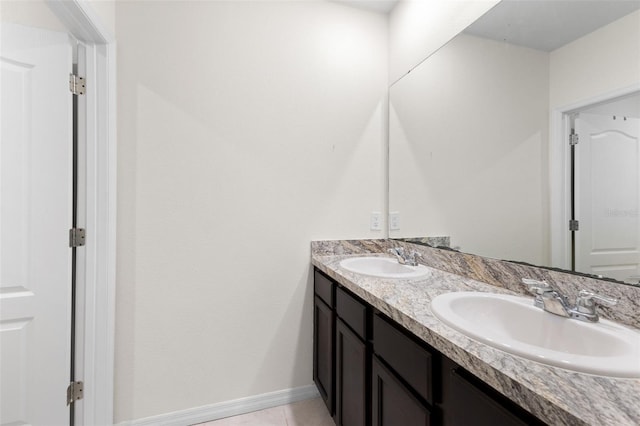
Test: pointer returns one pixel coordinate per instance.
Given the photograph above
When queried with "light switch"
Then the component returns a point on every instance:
(376, 221)
(394, 221)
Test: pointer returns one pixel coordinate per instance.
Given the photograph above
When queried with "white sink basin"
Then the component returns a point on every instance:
(514, 325)
(383, 267)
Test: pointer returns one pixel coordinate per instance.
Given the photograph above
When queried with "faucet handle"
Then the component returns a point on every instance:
(587, 302)
(537, 287)
(405, 257)
(399, 253)
(588, 299)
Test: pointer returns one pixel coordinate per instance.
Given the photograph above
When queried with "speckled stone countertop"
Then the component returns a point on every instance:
(555, 395)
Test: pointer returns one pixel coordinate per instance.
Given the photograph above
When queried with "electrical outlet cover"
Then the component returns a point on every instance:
(394, 221)
(376, 221)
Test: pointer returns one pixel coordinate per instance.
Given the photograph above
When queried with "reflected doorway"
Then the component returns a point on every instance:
(604, 226)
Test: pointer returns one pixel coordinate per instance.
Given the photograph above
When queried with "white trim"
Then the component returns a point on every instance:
(559, 169)
(559, 194)
(221, 410)
(100, 250)
(81, 21)
(81, 254)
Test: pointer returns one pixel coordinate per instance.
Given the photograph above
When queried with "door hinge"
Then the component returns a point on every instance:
(574, 139)
(77, 237)
(76, 84)
(574, 225)
(74, 392)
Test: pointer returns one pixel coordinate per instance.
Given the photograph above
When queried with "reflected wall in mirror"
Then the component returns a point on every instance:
(479, 132)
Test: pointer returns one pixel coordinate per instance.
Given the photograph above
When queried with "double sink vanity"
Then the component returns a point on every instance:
(457, 339)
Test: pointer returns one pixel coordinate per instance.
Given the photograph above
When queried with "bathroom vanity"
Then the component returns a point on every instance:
(375, 372)
(382, 358)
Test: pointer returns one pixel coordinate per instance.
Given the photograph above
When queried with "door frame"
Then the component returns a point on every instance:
(560, 171)
(96, 343)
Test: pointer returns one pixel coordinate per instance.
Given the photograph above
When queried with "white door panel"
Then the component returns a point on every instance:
(608, 177)
(35, 216)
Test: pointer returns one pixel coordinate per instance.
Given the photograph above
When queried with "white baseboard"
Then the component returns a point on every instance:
(228, 408)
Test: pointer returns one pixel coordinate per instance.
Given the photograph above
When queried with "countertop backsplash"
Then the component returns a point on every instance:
(500, 273)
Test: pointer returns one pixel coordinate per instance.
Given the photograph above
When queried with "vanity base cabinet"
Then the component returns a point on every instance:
(469, 401)
(407, 358)
(371, 371)
(352, 357)
(324, 351)
(393, 404)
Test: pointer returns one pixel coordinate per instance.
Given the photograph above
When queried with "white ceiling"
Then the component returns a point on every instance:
(548, 24)
(544, 25)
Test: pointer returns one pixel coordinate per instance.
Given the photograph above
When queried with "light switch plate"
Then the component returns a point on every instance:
(376, 221)
(394, 221)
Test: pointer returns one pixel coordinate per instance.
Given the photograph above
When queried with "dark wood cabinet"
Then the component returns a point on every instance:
(353, 311)
(341, 352)
(352, 357)
(324, 351)
(372, 371)
(324, 288)
(468, 400)
(393, 403)
(409, 360)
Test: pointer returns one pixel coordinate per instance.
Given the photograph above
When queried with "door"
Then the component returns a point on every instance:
(608, 195)
(35, 217)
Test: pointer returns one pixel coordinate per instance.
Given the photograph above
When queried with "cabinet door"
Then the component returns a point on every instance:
(469, 401)
(323, 351)
(351, 378)
(392, 403)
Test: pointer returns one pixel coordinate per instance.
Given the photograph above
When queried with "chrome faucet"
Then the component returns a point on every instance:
(409, 258)
(586, 304)
(551, 300)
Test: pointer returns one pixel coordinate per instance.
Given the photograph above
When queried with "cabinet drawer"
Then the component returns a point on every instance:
(352, 311)
(323, 287)
(410, 361)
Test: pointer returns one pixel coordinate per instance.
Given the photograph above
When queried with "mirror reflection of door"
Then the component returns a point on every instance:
(607, 189)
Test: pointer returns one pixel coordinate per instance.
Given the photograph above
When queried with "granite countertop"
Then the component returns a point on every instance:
(555, 395)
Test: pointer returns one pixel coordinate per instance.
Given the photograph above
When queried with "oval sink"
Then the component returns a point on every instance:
(514, 325)
(383, 267)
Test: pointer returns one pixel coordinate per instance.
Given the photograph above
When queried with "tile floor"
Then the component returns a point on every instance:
(311, 412)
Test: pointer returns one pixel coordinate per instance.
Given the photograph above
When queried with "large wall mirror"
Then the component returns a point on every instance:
(480, 147)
